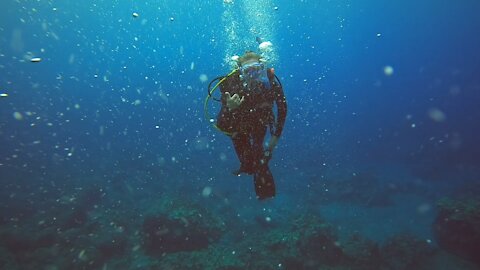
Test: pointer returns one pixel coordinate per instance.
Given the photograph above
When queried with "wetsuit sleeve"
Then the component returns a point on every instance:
(225, 118)
(281, 102)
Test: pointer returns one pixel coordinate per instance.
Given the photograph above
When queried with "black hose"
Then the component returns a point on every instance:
(209, 89)
(278, 80)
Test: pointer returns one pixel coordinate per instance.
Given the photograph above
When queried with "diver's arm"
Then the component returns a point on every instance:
(228, 115)
(281, 102)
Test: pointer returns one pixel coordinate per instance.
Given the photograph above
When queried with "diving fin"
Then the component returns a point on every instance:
(264, 183)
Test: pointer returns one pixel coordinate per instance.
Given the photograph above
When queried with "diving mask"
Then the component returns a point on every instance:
(254, 72)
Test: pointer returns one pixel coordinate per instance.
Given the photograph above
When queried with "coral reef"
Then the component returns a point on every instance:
(457, 227)
(363, 188)
(362, 253)
(404, 251)
(174, 233)
(174, 226)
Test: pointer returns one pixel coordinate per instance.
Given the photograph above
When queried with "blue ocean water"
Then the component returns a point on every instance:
(104, 138)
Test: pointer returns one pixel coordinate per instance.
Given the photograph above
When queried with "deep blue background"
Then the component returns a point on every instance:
(344, 112)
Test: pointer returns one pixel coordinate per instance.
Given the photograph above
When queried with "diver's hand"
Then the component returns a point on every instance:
(233, 101)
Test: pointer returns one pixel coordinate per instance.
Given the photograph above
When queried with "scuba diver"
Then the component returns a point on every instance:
(248, 95)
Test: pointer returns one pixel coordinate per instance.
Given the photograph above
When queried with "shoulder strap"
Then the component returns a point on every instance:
(272, 77)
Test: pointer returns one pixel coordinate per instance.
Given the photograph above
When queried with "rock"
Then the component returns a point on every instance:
(167, 235)
(362, 253)
(457, 228)
(174, 226)
(404, 252)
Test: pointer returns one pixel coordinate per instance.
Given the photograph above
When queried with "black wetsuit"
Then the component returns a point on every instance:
(248, 123)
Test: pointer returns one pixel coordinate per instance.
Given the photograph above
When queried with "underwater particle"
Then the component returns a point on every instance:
(379, 34)
(423, 208)
(203, 78)
(275, 8)
(82, 256)
(192, 66)
(77, 106)
(201, 143)
(3, 95)
(35, 59)
(388, 70)
(436, 115)
(136, 248)
(119, 229)
(455, 90)
(17, 116)
(228, 1)
(135, 14)
(268, 219)
(206, 192)
(71, 58)
(161, 161)
(265, 46)
(172, 19)
(137, 102)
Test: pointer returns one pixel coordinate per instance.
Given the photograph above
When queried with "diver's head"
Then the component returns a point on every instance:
(252, 69)
(248, 57)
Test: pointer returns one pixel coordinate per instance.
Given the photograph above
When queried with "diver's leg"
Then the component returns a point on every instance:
(262, 178)
(242, 145)
(258, 138)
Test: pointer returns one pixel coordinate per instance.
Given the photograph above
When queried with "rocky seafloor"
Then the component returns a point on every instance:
(114, 226)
